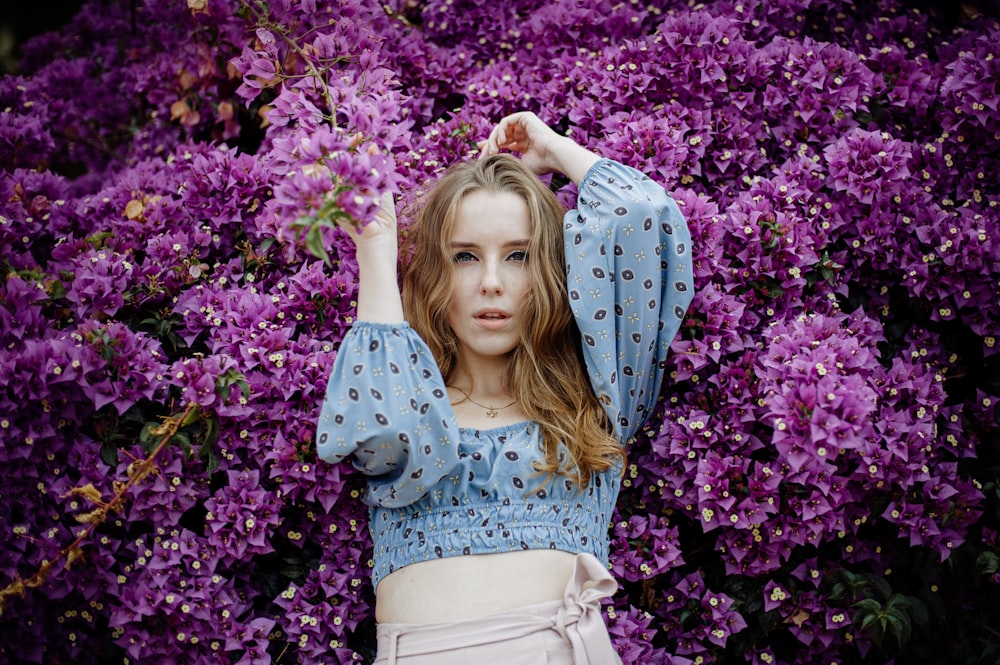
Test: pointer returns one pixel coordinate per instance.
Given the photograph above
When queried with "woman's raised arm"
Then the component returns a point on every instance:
(377, 246)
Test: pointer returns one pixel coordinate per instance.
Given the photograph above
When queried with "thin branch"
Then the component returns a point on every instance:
(72, 552)
(261, 19)
(988, 629)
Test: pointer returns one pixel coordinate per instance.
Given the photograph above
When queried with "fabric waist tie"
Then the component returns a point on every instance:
(577, 618)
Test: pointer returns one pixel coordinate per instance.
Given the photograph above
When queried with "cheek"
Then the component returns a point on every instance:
(460, 285)
(522, 287)
(459, 294)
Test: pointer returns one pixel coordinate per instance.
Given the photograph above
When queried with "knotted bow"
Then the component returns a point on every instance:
(579, 621)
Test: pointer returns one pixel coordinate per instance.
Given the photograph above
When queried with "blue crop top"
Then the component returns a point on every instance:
(439, 490)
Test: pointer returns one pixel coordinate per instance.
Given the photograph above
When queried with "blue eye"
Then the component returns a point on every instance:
(463, 257)
(519, 255)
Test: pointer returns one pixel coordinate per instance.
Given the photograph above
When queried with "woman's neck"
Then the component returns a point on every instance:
(486, 378)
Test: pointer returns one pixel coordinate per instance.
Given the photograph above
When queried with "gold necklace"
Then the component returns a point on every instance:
(491, 411)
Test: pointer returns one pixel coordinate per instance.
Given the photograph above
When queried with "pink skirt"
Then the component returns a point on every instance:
(570, 631)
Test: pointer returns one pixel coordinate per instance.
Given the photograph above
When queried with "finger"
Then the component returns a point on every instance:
(386, 215)
(510, 142)
(518, 134)
(514, 129)
(509, 127)
(501, 131)
(487, 147)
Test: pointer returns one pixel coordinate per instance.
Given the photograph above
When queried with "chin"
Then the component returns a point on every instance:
(493, 350)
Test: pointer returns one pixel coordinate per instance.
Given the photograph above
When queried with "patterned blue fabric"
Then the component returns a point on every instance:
(438, 490)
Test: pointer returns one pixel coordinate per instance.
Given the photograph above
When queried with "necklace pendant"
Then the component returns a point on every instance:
(491, 413)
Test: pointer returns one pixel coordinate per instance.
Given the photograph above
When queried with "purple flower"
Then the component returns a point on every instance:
(864, 163)
(242, 515)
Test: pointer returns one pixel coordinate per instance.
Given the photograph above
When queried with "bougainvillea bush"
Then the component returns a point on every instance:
(819, 483)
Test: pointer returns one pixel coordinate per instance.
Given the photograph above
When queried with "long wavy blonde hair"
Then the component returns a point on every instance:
(548, 364)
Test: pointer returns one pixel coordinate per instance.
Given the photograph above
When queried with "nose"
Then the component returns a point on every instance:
(490, 280)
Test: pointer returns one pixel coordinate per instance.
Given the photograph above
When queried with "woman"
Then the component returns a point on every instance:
(492, 401)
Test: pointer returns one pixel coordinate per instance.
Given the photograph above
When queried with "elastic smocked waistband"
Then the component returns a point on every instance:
(402, 537)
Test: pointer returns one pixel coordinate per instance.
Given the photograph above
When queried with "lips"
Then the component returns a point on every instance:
(492, 315)
(492, 319)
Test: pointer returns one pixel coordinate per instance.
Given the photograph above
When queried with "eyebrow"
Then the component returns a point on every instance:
(474, 245)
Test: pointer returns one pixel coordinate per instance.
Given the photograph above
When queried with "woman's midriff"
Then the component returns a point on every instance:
(466, 587)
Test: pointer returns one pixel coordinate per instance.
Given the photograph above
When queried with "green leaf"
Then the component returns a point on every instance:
(57, 289)
(882, 586)
(184, 441)
(97, 239)
(898, 603)
(919, 612)
(213, 460)
(896, 628)
(109, 454)
(753, 602)
(868, 620)
(147, 439)
(211, 433)
(769, 620)
(896, 330)
(868, 605)
(903, 617)
(192, 416)
(293, 572)
(315, 245)
(987, 563)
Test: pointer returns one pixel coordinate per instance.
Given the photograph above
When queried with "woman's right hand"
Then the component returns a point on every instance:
(378, 250)
(381, 232)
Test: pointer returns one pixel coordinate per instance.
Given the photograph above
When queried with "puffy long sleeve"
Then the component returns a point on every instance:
(387, 409)
(628, 254)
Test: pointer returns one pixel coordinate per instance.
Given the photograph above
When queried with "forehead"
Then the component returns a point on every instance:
(491, 215)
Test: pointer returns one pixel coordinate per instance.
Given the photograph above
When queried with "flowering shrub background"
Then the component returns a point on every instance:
(819, 484)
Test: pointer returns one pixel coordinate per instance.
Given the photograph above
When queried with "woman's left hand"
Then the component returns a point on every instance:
(524, 133)
(542, 150)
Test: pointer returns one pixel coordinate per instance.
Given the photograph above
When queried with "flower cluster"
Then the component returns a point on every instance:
(819, 474)
(645, 546)
(697, 615)
(175, 604)
(242, 515)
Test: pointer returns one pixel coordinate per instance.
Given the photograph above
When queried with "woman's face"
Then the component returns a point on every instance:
(488, 247)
